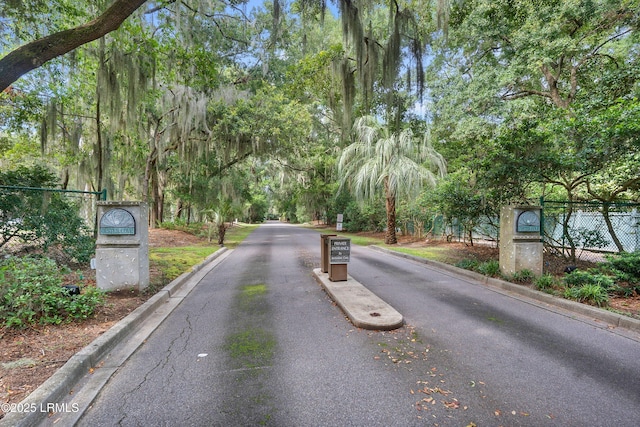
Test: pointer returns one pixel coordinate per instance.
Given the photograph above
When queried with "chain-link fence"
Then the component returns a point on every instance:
(33, 214)
(588, 230)
(485, 230)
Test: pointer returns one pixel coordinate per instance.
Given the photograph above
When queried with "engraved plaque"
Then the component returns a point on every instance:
(528, 222)
(117, 222)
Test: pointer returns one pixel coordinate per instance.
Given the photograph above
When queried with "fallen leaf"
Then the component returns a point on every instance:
(497, 412)
(454, 404)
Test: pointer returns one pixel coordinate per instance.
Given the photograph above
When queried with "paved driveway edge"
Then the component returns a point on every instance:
(53, 391)
(611, 318)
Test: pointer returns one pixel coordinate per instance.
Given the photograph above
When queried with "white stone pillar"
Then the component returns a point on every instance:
(122, 246)
(521, 246)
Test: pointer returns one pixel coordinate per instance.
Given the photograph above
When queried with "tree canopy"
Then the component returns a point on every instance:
(202, 104)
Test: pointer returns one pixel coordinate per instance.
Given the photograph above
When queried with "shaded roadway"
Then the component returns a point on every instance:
(258, 342)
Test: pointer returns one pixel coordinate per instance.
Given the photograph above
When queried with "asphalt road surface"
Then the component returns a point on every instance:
(258, 342)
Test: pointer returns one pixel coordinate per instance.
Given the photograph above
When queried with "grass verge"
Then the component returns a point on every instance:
(173, 261)
(440, 253)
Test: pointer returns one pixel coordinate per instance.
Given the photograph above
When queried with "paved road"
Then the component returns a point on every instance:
(258, 342)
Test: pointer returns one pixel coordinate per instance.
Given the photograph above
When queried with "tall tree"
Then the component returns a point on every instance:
(515, 79)
(397, 163)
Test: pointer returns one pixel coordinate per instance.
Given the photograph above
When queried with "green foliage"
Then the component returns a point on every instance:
(523, 276)
(489, 268)
(523, 97)
(395, 164)
(589, 293)
(467, 264)
(31, 293)
(459, 199)
(626, 266)
(580, 278)
(364, 217)
(41, 218)
(587, 238)
(545, 282)
(172, 262)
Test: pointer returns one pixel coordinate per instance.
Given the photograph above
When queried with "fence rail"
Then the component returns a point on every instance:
(86, 200)
(574, 230)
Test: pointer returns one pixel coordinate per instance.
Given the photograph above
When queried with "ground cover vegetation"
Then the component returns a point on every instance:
(418, 120)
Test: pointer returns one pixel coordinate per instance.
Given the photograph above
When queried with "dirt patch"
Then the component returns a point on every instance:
(159, 237)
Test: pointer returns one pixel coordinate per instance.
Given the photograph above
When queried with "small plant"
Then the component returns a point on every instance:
(625, 266)
(545, 282)
(467, 264)
(489, 268)
(591, 294)
(32, 293)
(625, 291)
(523, 276)
(580, 278)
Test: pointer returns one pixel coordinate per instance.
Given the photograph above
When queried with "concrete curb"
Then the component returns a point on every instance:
(613, 319)
(61, 383)
(363, 308)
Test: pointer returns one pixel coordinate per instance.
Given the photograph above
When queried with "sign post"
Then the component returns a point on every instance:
(339, 256)
(324, 252)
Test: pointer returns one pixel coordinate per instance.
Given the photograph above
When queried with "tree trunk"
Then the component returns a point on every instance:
(390, 237)
(222, 229)
(612, 232)
(99, 149)
(154, 209)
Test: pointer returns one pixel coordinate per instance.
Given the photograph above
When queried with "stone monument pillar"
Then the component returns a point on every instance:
(122, 246)
(521, 244)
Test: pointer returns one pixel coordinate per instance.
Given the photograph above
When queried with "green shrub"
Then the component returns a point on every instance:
(580, 278)
(545, 282)
(625, 266)
(625, 291)
(590, 293)
(31, 293)
(467, 264)
(42, 218)
(489, 268)
(523, 276)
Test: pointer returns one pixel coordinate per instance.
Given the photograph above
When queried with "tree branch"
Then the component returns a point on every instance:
(32, 55)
